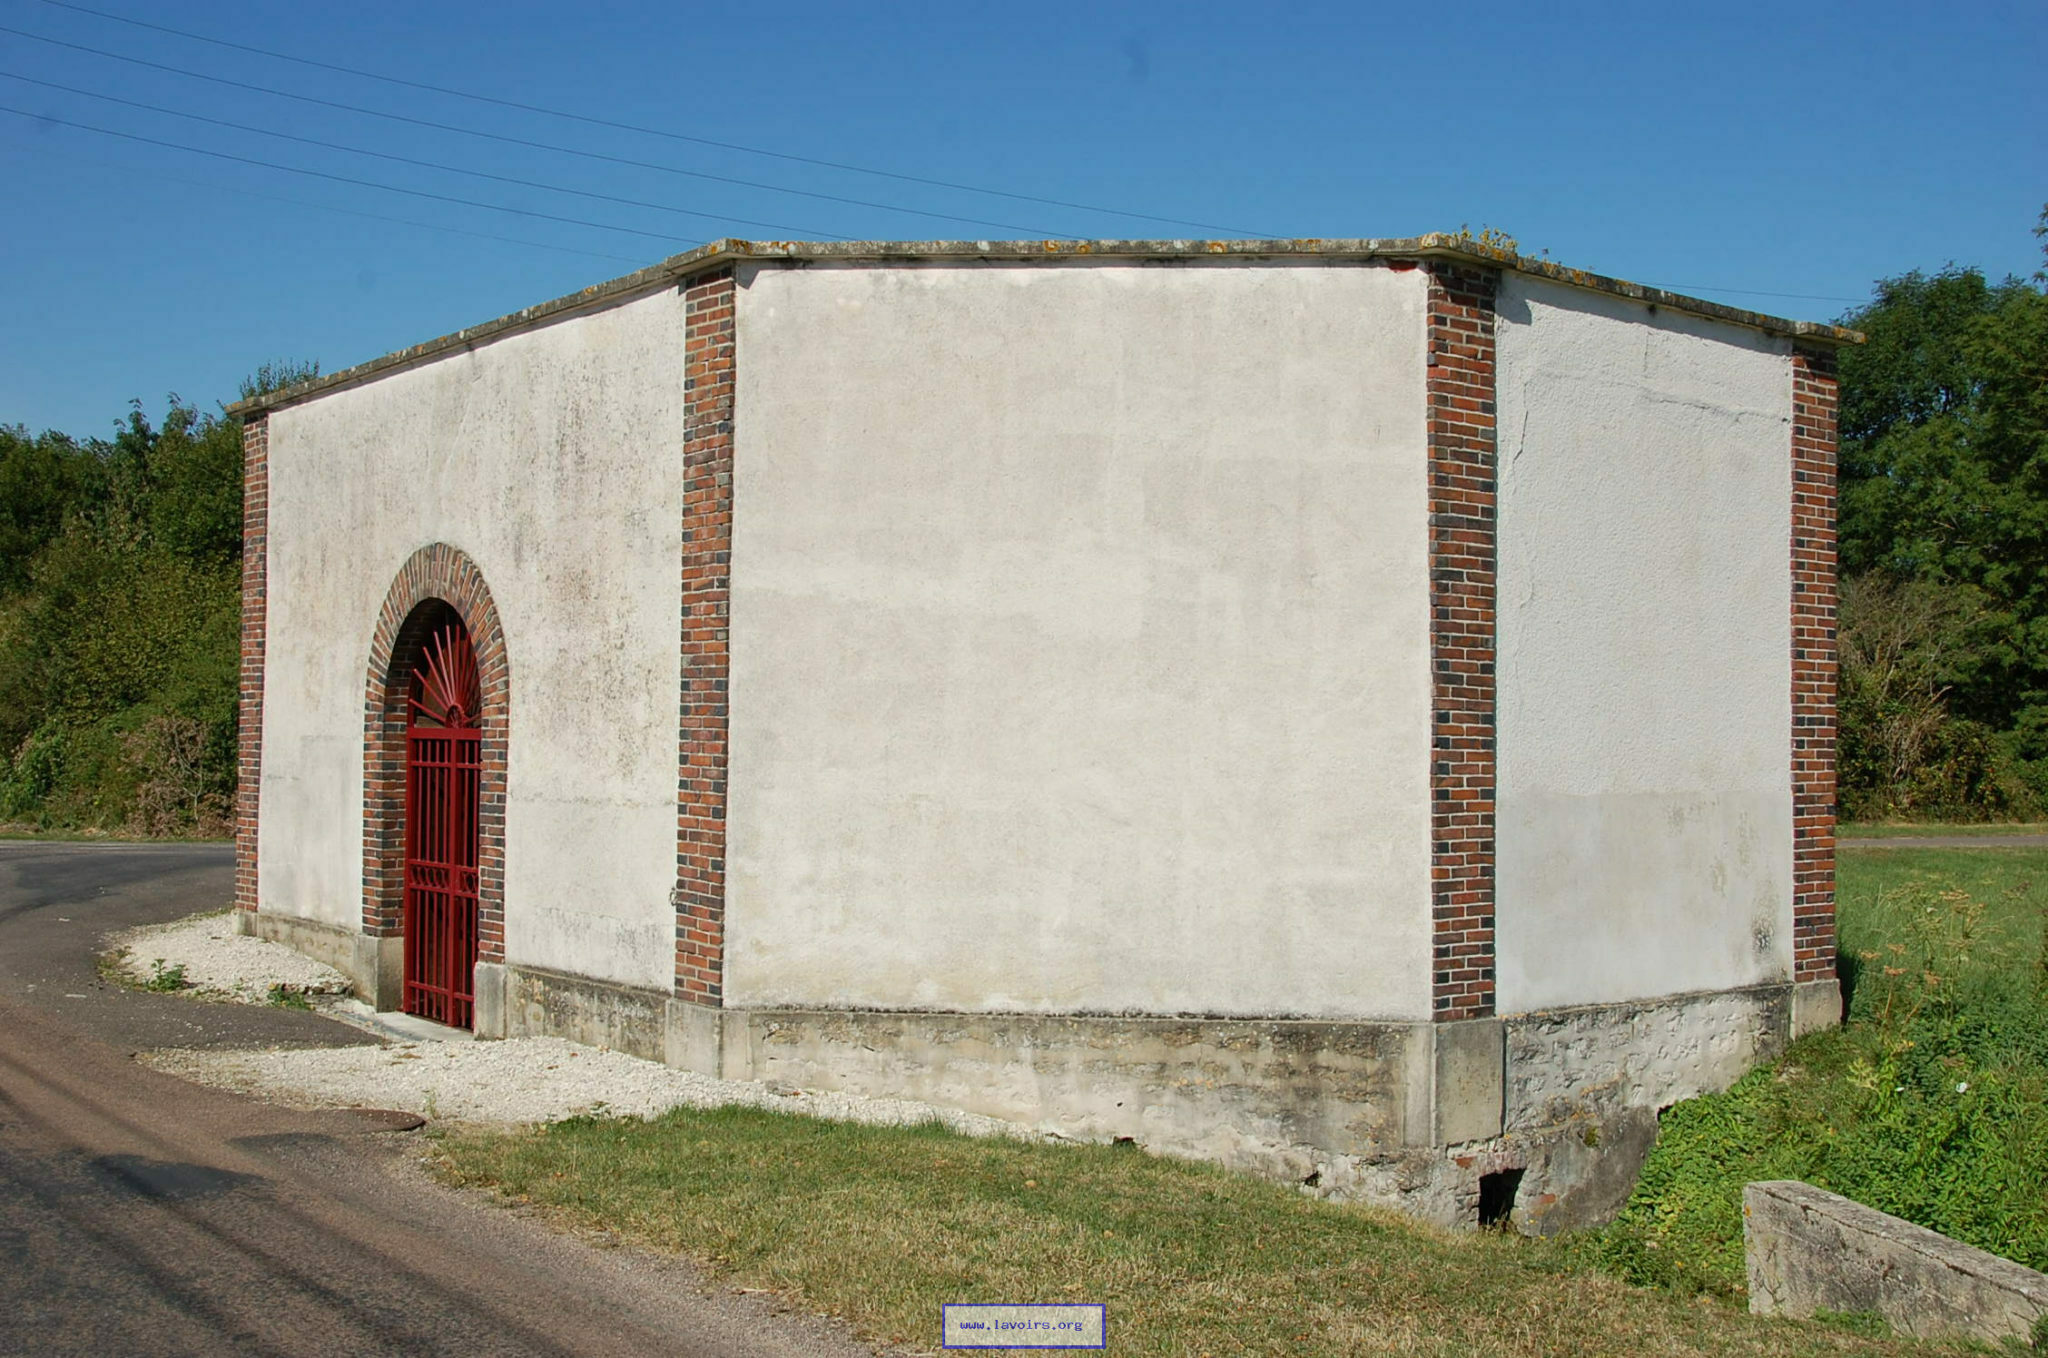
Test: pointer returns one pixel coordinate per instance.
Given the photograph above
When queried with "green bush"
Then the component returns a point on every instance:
(33, 772)
(1905, 648)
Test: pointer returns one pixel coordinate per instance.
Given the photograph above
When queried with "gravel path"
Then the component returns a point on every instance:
(532, 1079)
(220, 963)
(539, 1079)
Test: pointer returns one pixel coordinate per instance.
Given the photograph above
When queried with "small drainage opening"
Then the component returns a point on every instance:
(1497, 1198)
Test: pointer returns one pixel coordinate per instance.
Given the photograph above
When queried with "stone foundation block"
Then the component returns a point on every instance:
(489, 984)
(378, 966)
(693, 1038)
(1471, 1066)
(1815, 1005)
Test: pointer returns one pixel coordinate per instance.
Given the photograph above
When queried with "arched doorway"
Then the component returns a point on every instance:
(443, 797)
(438, 584)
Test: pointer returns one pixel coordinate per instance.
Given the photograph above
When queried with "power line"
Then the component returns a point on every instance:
(543, 216)
(217, 186)
(553, 188)
(1667, 287)
(653, 131)
(1752, 292)
(685, 137)
(345, 179)
(422, 164)
(526, 142)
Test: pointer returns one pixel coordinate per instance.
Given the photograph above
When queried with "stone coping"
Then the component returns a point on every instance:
(722, 253)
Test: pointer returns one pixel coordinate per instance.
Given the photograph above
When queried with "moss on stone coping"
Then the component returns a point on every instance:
(722, 253)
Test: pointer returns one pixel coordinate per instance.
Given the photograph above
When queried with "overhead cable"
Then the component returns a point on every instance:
(655, 131)
(219, 186)
(527, 142)
(345, 179)
(422, 164)
(1752, 292)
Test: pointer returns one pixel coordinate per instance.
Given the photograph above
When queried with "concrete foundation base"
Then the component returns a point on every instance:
(376, 965)
(329, 944)
(628, 1019)
(1561, 1105)
(1258, 1095)
(1585, 1086)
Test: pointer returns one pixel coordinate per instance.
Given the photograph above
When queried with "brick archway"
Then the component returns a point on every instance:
(435, 574)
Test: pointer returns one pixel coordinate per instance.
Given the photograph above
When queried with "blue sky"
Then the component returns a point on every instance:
(1774, 149)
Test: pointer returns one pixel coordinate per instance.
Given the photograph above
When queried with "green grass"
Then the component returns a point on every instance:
(884, 1225)
(1931, 1104)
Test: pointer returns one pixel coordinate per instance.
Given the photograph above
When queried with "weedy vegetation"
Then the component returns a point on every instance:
(1931, 1103)
(164, 978)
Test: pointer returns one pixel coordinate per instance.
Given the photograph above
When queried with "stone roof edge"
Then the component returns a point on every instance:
(720, 253)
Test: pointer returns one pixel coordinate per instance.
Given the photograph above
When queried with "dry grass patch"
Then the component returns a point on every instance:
(882, 1225)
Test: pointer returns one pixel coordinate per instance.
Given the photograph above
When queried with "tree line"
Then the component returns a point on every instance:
(120, 597)
(120, 621)
(1944, 548)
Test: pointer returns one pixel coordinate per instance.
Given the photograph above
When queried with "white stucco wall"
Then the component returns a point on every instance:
(552, 457)
(1645, 812)
(1079, 634)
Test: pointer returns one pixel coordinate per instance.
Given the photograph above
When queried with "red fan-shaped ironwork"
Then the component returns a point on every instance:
(446, 690)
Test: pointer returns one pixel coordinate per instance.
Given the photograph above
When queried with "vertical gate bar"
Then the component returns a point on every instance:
(437, 832)
(472, 774)
(441, 957)
(410, 922)
(466, 969)
(446, 975)
(449, 923)
(458, 905)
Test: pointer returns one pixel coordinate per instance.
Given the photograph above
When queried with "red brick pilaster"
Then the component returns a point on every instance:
(1813, 664)
(255, 614)
(1461, 636)
(707, 555)
(444, 574)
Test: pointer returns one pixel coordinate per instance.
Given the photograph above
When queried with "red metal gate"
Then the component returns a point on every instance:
(443, 761)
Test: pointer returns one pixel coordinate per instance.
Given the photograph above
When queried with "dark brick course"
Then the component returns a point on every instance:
(255, 615)
(1462, 589)
(1813, 663)
(707, 554)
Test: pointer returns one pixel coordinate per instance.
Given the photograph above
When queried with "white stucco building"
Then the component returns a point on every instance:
(1357, 710)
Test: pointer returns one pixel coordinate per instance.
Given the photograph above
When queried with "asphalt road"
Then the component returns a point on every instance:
(57, 901)
(141, 1214)
(1945, 842)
